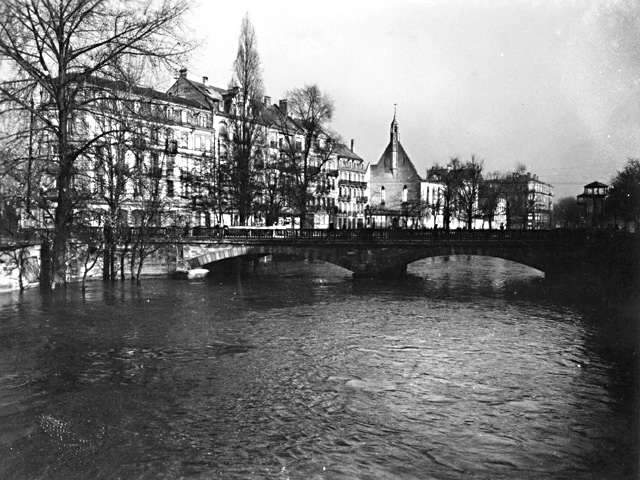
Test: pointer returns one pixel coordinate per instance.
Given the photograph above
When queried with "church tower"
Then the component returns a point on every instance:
(394, 140)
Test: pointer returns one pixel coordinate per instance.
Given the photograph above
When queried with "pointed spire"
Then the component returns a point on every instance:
(395, 138)
(394, 125)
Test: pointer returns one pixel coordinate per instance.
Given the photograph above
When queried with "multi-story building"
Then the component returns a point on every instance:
(521, 201)
(146, 157)
(172, 153)
(351, 198)
(540, 214)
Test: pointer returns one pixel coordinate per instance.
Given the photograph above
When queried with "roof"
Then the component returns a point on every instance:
(205, 95)
(596, 185)
(404, 162)
(343, 151)
(210, 91)
(146, 92)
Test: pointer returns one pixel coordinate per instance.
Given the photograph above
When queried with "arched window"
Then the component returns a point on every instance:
(382, 195)
(405, 194)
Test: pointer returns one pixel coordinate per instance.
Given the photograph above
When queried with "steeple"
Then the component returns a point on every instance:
(395, 138)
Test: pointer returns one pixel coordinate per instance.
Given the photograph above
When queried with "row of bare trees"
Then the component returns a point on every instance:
(260, 180)
(468, 194)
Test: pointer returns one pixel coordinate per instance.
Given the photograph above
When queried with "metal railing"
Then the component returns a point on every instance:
(176, 234)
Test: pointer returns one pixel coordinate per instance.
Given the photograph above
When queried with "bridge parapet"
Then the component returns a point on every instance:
(384, 252)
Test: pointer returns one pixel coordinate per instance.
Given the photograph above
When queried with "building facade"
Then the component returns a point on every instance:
(396, 193)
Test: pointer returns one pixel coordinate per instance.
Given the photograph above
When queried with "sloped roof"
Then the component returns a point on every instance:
(214, 93)
(145, 92)
(343, 151)
(404, 162)
(273, 116)
(205, 95)
(596, 185)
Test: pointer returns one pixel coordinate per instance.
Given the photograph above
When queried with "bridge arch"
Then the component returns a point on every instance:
(369, 261)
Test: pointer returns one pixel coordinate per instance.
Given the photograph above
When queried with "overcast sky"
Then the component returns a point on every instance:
(554, 85)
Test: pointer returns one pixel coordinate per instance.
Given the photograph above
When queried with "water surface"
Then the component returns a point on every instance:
(467, 368)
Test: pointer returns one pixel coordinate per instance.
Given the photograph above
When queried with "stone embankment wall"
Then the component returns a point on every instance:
(26, 262)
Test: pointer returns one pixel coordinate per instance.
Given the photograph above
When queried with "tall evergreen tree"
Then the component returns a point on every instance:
(246, 120)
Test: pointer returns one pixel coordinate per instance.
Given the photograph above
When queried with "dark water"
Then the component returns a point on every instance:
(468, 368)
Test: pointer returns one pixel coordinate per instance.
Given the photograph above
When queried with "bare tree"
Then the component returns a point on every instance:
(308, 146)
(52, 47)
(274, 187)
(489, 198)
(515, 191)
(149, 232)
(469, 190)
(246, 121)
(435, 207)
(450, 177)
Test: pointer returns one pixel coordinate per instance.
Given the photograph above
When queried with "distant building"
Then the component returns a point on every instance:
(591, 204)
(395, 188)
(541, 194)
(521, 201)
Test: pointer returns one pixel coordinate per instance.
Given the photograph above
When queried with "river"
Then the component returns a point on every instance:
(467, 368)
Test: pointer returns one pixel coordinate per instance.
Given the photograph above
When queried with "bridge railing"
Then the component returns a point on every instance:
(185, 234)
(440, 235)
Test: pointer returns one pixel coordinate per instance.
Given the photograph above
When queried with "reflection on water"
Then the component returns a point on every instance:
(466, 368)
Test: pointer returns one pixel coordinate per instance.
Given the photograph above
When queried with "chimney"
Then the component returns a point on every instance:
(352, 142)
(205, 81)
(284, 107)
(183, 72)
(267, 101)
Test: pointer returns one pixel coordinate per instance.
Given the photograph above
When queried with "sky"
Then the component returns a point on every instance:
(553, 85)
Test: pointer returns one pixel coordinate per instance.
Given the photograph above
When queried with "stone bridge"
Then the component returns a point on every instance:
(372, 253)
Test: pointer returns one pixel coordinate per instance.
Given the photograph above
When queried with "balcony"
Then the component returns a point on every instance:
(352, 183)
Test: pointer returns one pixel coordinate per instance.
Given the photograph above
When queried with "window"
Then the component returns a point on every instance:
(170, 191)
(382, 196)
(405, 194)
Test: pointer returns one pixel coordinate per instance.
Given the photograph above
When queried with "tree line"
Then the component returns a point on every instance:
(468, 194)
